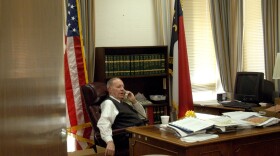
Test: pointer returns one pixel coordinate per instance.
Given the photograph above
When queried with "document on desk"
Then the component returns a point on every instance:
(275, 108)
(223, 121)
(262, 121)
(180, 133)
(199, 137)
(191, 125)
(239, 115)
(252, 118)
(224, 124)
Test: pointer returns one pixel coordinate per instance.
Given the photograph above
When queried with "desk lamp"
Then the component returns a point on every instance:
(276, 76)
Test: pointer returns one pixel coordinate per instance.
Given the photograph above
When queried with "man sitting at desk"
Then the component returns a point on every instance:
(116, 114)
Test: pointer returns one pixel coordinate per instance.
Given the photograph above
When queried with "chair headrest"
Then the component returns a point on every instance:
(94, 93)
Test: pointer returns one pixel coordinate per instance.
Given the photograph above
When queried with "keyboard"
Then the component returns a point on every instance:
(239, 104)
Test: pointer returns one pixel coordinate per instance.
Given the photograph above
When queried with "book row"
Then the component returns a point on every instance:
(134, 65)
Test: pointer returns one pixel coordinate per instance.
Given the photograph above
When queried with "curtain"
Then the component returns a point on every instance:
(227, 26)
(270, 32)
(87, 13)
(163, 14)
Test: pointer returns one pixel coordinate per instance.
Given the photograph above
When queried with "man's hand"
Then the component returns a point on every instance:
(110, 148)
(130, 96)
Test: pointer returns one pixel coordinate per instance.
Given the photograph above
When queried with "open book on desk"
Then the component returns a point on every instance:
(181, 133)
(223, 124)
(190, 126)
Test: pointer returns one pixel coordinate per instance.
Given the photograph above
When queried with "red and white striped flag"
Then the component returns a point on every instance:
(182, 99)
(75, 76)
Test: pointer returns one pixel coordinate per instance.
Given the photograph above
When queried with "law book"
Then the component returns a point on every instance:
(116, 64)
(132, 65)
(124, 65)
(109, 65)
(162, 63)
(137, 65)
(150, 114)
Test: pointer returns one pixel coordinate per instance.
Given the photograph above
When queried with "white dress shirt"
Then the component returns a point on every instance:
(108, 116)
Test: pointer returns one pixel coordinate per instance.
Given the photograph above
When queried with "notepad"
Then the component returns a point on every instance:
(191, 125)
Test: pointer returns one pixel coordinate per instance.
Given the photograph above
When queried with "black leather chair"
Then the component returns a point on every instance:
(93, 94)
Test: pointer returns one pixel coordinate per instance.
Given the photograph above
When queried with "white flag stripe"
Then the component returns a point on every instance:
(75, 80)
(175, 84)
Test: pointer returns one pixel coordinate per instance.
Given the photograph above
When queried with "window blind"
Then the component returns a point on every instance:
(200, 47)
(253, 45)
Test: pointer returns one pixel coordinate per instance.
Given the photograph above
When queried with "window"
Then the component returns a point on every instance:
(253, 44)
(200, 47)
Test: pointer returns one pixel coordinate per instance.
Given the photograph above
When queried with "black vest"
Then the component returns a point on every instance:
(127, 116)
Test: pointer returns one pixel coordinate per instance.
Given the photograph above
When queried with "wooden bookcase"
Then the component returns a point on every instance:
(149, 81)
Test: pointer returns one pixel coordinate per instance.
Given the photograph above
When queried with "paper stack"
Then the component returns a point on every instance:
(190, 126)
(251, 119)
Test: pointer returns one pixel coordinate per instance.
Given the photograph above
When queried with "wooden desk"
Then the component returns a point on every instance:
(257, 141)
(214, 109)
(219, 109)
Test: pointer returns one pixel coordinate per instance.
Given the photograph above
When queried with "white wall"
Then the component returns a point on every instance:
(125, 23)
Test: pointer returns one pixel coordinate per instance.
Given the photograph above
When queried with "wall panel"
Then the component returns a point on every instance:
(32, 107)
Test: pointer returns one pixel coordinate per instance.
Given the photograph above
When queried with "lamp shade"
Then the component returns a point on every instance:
(276, 71)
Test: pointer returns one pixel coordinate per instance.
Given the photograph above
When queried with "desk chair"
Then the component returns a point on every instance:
(93, 94)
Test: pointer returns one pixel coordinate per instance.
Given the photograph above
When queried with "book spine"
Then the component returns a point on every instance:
(121, 65)
(116, 65)
(157, 64)
(162, 63)
(132, 65)
(152, 64)
(110, 64)
(106, 66)
(141, 63)
(127, 65)
(157, 115)
(137, 70)
(150, 114)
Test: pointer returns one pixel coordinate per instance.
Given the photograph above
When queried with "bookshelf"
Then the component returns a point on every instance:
(143, 70)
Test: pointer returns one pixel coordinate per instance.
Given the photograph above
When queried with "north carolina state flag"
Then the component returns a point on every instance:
(182, 99)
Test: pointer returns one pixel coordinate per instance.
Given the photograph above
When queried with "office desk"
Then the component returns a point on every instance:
(256, 141)
(219, 109)
(214, 109)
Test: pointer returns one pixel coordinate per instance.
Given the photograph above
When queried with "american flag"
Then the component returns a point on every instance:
(75, 76)
(182, 99)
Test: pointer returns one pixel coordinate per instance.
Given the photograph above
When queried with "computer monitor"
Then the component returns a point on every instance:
(268, 92)
(249, 87)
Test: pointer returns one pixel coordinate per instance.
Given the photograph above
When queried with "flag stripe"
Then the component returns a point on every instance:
(75, 76)
(185, 91)
(69, 95)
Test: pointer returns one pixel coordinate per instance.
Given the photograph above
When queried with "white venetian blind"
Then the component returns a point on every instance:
(200, 47)
(253, 46)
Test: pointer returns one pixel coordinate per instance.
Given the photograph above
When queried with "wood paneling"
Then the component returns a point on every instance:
(32, 112)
